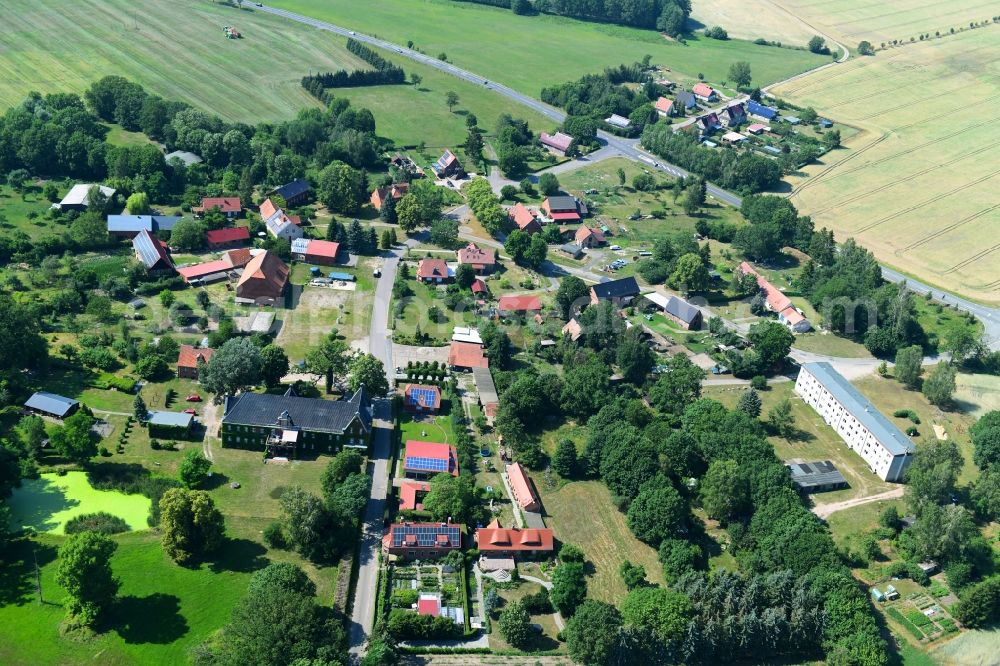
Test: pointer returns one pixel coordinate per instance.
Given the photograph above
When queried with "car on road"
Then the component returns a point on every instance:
(377, 272)
(194, 397)
(353, 33)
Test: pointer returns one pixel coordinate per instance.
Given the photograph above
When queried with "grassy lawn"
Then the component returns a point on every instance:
(119, 136)
(582, 513)
(437, 428)
(47, 503)
(176, 50)
(848, 524)
(544, 641)
(26, 211)
(416, 313)
(828, 343)
(977, 394)
(529, 52)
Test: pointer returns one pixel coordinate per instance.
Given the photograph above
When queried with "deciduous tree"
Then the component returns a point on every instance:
(190, 523)
(368, 370)
(515, 624)
(592, 633)
(194, 468)
(84, 571)
(236, 366)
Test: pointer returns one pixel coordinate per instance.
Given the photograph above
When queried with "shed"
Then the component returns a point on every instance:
(51, 404)
(169, 424)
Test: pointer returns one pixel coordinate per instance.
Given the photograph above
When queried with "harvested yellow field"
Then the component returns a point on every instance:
(918, 184)
(745, 20)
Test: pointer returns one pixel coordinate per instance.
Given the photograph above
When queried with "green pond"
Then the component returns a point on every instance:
(45, 504)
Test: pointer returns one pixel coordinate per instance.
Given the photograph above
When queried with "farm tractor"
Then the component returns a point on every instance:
(231, 32)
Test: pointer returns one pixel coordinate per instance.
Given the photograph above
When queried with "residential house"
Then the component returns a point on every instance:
(78, 197)
(758, 110)
(523, 488)
(562, 209)
(524, 219)
(286, 424)
(863, 428)
(422, 460)
(522, 304)
(705, 93)
(620, 122)
(816, 477)
(448, 166)
(559, 142)
(295, 192)
(51, 404)
(479, 288)
(312, 251)
(422, 541)
(777, 302)
(589, 237)
(433, 271)
(422, 399)
(278, 223)
(152, 253)
(495, 540)
(169, 424)
(758, 128)
(664, 107)
(129, 226)
(620, 292)
(708, 122)
(214, 271)
(397, 191)
(263, 280)
(483, 261)
(686, 100)
(573, 329)
(466, 356)
(411, 493)
(677, 310)
(188, 358)
(231, 207)
(221, 239)
(735, 114)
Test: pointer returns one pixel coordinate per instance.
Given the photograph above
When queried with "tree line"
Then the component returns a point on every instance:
(669, 16)
(384, 73)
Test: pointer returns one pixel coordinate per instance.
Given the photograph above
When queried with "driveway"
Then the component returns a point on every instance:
(824, 510)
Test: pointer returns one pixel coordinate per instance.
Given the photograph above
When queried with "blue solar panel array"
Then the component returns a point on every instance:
(426, 534)
(429, 464)
(422, 396)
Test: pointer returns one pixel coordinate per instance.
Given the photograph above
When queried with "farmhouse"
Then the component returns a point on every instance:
(466, 356)
(863, 428)
(423, 460)
(129, 226)
(188, 358)
(278, 224)
(397, 191)
(664, 107)
(777, 302)
(313, 251)
(487, 390)
(758, 110)
(816, 477)
(573, 329)
(410, 494)
(78, 197)
(421, 398)
(620, 292)
(295, 192)
(704, 92)
(524, 219)
(263, 280)
(433, 271)
(677, 310)
(422, 540)
(621, 122)
(448, 166)
(735, 114)
(559, 142)
(152, 253)
(495, 540)
(220, 269)
(522, 487)
(231, 207)
(589, 237)
(220, 239)
(524, 304)
(686, 100)
(169, 424)
(287, 423)
(561, 209)
(51, 404)
(483, 261)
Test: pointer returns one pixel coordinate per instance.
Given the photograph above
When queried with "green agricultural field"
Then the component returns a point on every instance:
(47, 503)
(916, 186)
(529, 52)
(175, 49)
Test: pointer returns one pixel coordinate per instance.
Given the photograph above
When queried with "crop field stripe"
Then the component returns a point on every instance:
(973, 259)
(821, 176)
(900, 26)
(926, 99)
(940, 232)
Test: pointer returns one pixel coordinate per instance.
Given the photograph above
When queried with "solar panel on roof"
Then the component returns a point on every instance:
(426, 535)
(430, 464)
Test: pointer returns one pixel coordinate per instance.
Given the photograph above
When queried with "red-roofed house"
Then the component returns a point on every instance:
(187, 360)
(422, 540)
(777, 302)
(423, 460)
(524, 219)
(397, 191)
(263, 280)
(216, 270)
(519, 304)
(562, 209)
(220, 239)
(466, 356)
(421, 398)
(410, 494)
(322, 252)
(558, 141)
(705, 92)
(479, 287)
(432, 271)
(589, 237)
(573, 329)
(665, 107)
(523, 488)
(483, 262)
(495, 540)
(231, 207)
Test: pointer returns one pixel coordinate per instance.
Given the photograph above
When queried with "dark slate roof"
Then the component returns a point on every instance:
(151, 223)
(50, 403)
(333, 416)
(293, 189)
(757, 109)
(149, 250)
(617, 288)
(686, 99)
(562, 202)
(822, 473)
(681, 309)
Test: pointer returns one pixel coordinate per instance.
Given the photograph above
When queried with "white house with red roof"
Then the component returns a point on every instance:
(433, 271)
(558, 141)
(705, 92)
(231, 207)
(278, 223)
(778, 303)
(482, 260)
(664, 107)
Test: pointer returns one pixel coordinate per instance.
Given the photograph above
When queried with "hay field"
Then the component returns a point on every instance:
(175, 49)
(918, 185)
(882, 20)
(751, 20)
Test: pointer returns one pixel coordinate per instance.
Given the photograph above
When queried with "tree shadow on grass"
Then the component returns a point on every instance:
(242, 555)
(217, 480)
(17, 567)
(152, 619)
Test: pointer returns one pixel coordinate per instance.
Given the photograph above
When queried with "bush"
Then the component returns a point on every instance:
(759, 382)
(274, 536)
(101, 522)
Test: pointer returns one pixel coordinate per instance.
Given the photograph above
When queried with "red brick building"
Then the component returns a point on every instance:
(422, 540)
(187, 360)
(497, 541)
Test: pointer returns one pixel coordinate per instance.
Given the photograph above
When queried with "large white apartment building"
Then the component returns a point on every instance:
(886, 449)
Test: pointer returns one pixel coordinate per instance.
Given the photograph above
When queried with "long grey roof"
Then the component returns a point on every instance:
(861, 408)
(151, 223)
(50, 403)
(334, 416)
(812, 474)
(484, 385)
(681, 309)
(620, 288)
(170, 419)
(293, 189)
